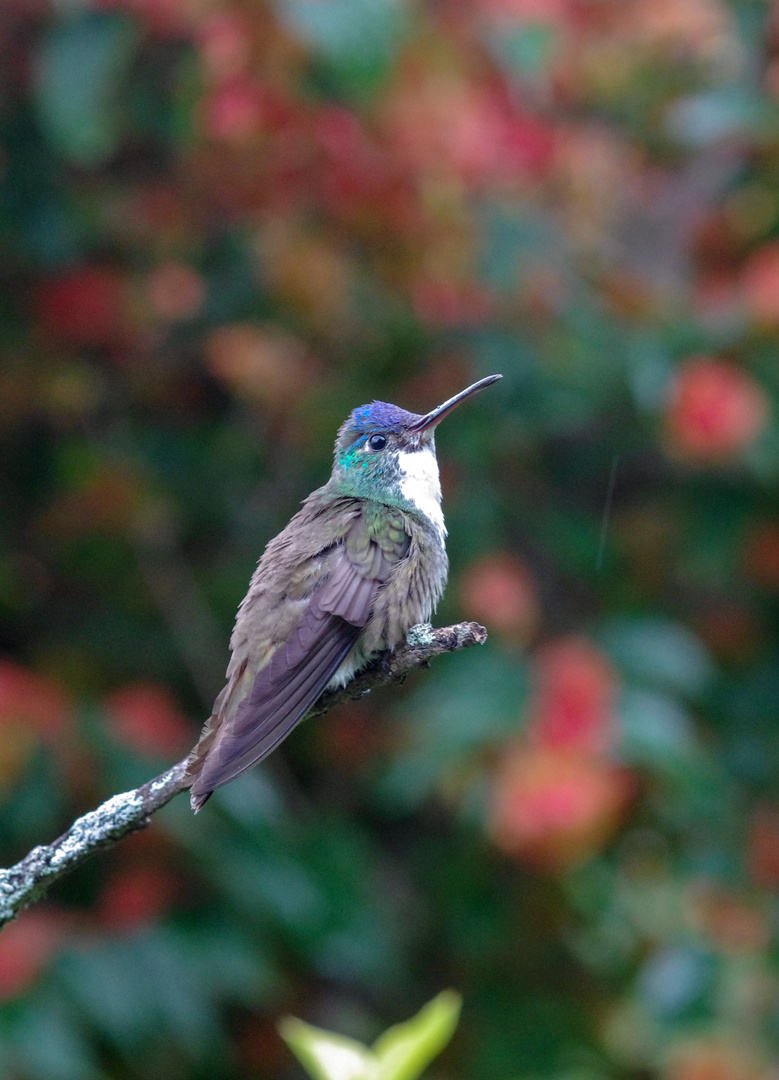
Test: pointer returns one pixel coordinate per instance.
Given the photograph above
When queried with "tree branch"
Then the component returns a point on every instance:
(27, 881)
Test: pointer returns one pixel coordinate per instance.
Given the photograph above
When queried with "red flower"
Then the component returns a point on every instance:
(499, 591)
(715, 410)
(259, 362)
(31, 708)
(573, 704)
(84, 307)
(174, 291)
(553, 12)
(26, 946)
(445, 123)
(555, 808)
(360, 181)
(734, 922)
(225, 43)
(235, 111)
(136, 895)
(145, 717)
(440, 301)
(30, 699)
(352, 737)
(717, 1056)
(760, 283)
(762, 555)
(763, 847)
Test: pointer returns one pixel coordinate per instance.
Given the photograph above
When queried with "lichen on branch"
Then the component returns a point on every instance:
(30, 878)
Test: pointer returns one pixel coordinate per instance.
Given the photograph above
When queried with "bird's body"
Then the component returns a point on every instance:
(360, 564)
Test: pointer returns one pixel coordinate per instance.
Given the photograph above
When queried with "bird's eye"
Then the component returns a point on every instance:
(377, 442)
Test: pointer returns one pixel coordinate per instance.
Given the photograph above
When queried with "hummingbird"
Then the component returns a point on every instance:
(362, 562)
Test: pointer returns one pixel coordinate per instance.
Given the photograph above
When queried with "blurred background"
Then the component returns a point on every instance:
(224, 224)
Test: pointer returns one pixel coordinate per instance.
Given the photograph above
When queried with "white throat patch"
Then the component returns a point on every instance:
(421, 484)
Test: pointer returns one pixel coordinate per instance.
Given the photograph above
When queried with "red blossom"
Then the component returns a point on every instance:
(717, 1056)
(260, 362)
(760, 284)
(715, 410)
(359, 178)
(32, 708)
(236, 110)
(733, 921)
(26, 946)
(108, 500)
(136, 895)
(32, 700)
(352, 737)
(84, 307)
(448, 124)
(731, 630)
(572, 707)
(224, 40)
(499, 591)
(761, 556)
(555, 808)
(146, 718)
(762, 849)
(716, 297)
(441, 302)
(554, 12)
(175, 291)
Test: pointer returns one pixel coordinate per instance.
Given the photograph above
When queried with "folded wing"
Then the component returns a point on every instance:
(300, 669)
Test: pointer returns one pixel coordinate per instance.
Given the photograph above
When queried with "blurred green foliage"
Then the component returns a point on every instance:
(224, 224)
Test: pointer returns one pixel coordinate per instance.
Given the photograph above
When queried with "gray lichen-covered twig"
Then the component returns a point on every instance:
(24, 883)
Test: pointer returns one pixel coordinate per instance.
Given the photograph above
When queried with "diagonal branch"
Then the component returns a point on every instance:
(27, 881)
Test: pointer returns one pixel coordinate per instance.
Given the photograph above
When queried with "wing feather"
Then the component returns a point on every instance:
(348, 594)
(299, 669)
(282, 694)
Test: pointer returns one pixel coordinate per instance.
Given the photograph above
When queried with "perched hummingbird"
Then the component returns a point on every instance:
(360, 564)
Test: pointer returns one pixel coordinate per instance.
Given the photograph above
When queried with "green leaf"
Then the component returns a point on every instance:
(401, 1053)
(81, 67)
(327, 1056)
(526, 50)
(405, 1050)
(50, 1044)
(473, 699)
(656, 731)
(658, 652)
(729, 111)
(356, 40)
(346, 28)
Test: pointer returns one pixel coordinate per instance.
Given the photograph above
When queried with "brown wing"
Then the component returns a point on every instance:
(299, 670)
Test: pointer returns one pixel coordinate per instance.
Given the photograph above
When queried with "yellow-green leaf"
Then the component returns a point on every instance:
(404, 1051)
(327, 1056)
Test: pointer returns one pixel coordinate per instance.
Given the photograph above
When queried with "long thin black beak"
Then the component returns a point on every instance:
(435, 416)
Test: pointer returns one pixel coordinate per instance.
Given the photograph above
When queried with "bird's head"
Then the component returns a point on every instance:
(385, 453)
